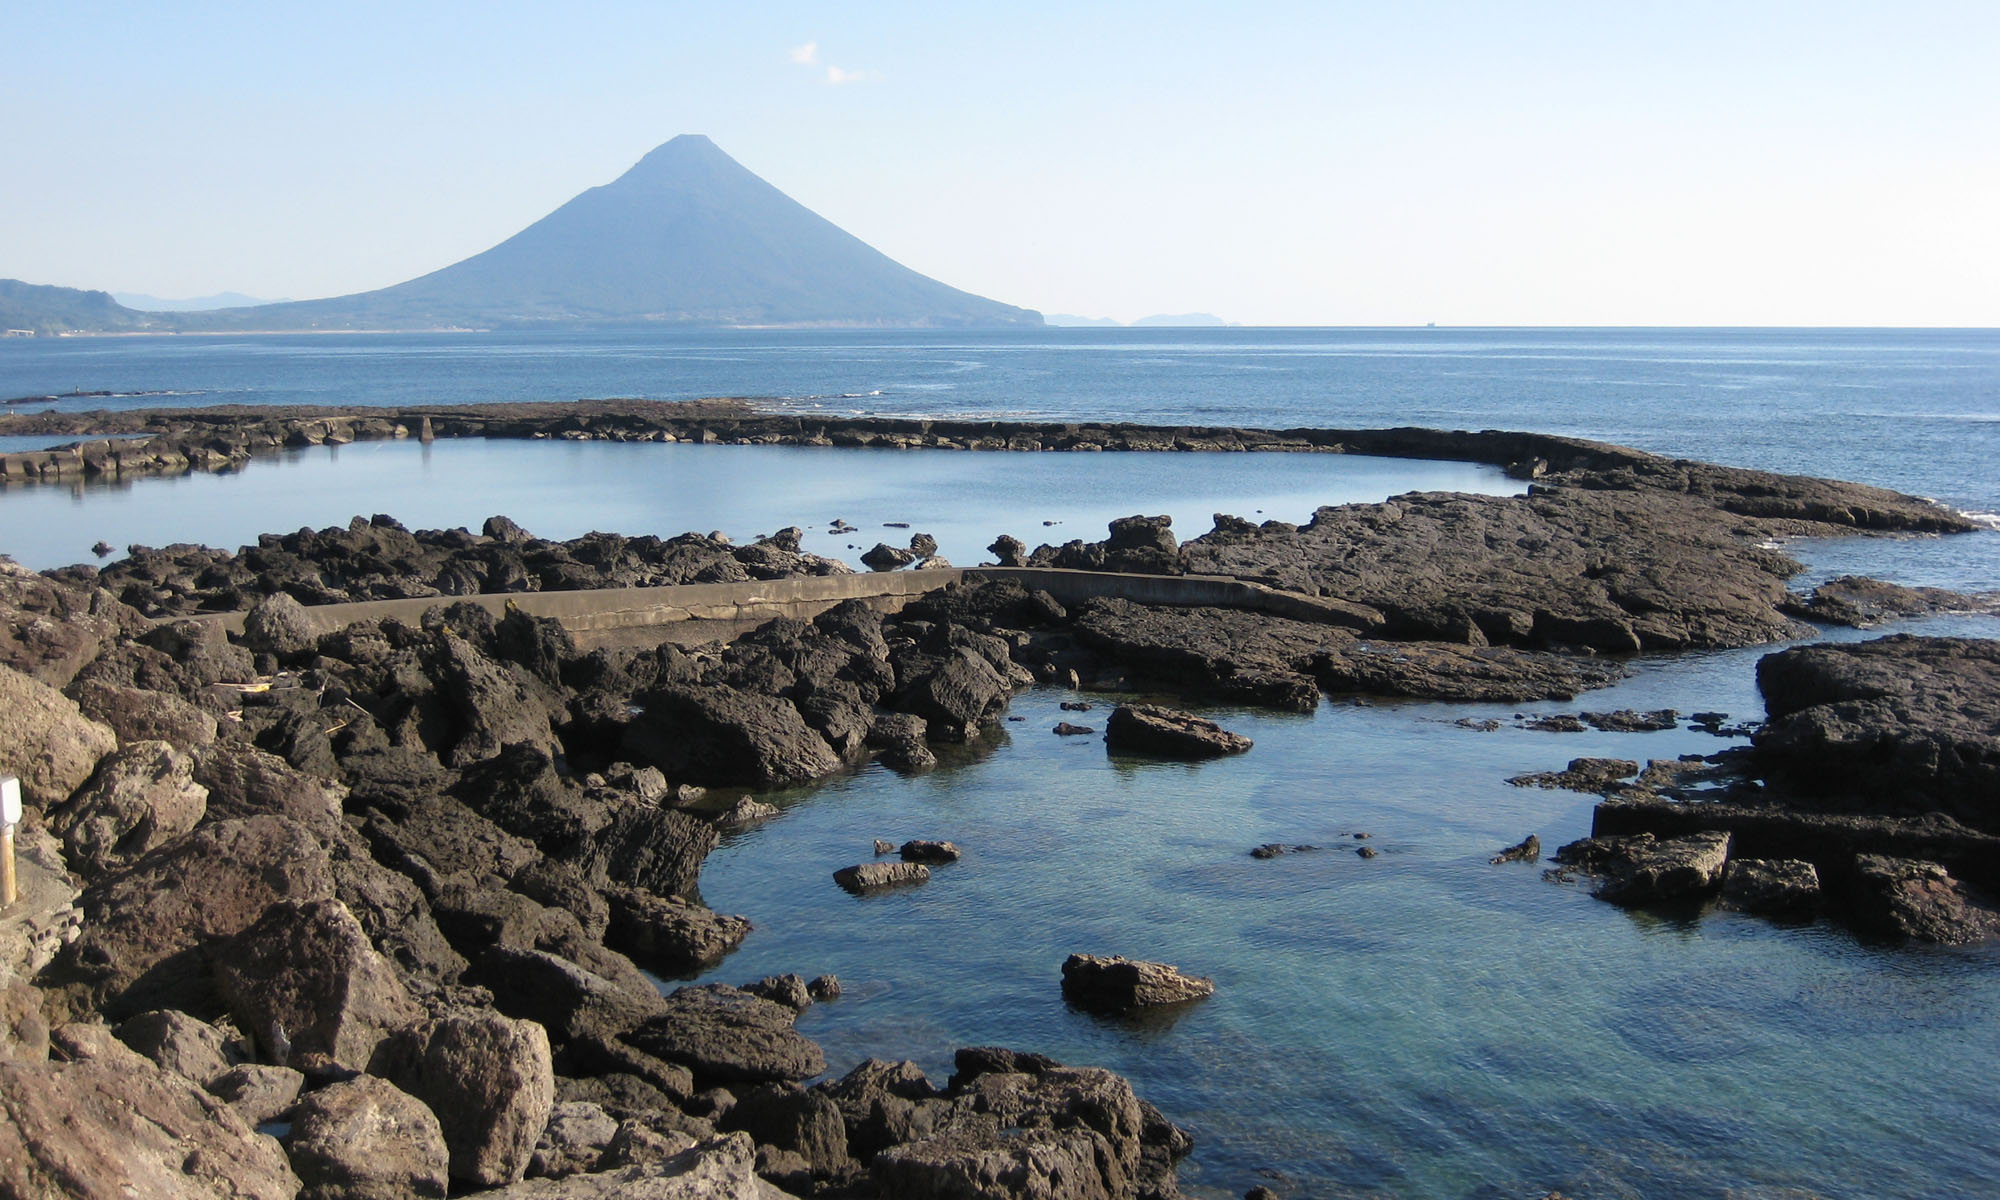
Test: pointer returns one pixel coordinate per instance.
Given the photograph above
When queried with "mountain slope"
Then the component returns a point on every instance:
(46, 309)
(687, 236)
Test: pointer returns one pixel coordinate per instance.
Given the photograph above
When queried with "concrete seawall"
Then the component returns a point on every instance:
(700, 612)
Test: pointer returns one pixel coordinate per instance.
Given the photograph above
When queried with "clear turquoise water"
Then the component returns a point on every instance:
(1420, 1024)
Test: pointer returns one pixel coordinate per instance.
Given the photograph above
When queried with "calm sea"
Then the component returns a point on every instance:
(1420, 1024)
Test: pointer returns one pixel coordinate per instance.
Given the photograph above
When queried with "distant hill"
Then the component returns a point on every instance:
(1160, 321)
(686, 237)
(50, 310)
(1185, 320)
(145, 303)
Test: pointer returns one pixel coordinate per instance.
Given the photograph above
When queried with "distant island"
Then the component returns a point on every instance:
(1159, 321)
(686, 237)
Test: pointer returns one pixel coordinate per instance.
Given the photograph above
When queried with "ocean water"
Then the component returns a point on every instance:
(1419, 1024)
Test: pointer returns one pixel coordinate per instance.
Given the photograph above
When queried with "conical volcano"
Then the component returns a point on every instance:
(686, 237)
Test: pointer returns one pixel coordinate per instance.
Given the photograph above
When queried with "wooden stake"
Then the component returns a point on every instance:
(10, 815)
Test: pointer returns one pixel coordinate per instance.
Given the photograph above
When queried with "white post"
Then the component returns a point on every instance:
(10, 816)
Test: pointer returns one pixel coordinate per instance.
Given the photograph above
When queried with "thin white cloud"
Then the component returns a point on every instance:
(807, 55)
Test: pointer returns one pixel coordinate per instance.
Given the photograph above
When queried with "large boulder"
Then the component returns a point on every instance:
(143, 929)
(109, 1123)
(181, 1044)
(366, 1139)
(1167, 733)
(716, 734)
(655, 849)
(278, 624)
(491, 1083)
(954, 695)
(142, 797)
(1116, 984)
(492, 705)
(307, 984)
(728, 1036)
(46, 741)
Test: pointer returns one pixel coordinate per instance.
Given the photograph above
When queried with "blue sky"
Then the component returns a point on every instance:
(1331, 163)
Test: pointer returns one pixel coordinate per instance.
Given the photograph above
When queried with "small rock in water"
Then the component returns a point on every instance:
(791, 991)
(869, 877)
(1362, 837)
(1169, 733)
(930, 851)
(1627, 720)
(1065, 729)
(1367, 851)
(1116, 984)
(101, 549)
(1527, 850)
(824, 987)
(1268, 850)
(1582, 775)
(1477, 724)
(1560, 723)
(895, 524)
(1075, 706)
(884, 847)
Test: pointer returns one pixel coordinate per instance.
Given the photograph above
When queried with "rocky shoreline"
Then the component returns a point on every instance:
(437, 858)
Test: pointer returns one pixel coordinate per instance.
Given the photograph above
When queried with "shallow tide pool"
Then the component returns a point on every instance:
(1417, 1024)
(561, 489)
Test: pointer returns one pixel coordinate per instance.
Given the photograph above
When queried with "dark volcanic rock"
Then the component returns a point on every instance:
(722, 735)
(1115, 984)
(306, 983)
(1626, 720)
(1167, 733)
(669, 933)
(1582, 775)
(727, 1036)
(143, 927)
(1860, 602)
(1642, 869)
(1784, 888)
(1920, 900)
(1900, 724)
(110, 1123)
(875, 876)
(366, 1139)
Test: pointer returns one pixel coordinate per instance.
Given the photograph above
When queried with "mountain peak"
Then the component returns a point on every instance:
(687, 236)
